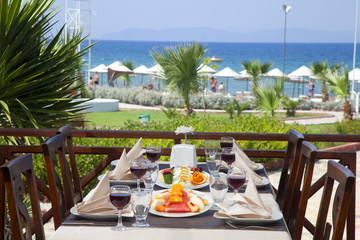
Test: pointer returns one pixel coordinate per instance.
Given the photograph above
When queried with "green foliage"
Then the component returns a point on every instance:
(255, 69)
(171, 112)
(126, 77)
(37, 74)
(180, 65)
(350, 127)
(268, 97)
(289, 105)
(235, 106)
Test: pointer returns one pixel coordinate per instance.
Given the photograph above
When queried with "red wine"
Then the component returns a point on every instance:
(120, 200)
(226, 144)
(153, 155)
(229, 158)
(138, 172)
(236, 182)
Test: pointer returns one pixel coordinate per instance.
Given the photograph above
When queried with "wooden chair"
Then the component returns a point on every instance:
(295, 217)
(61, 190)
(345, 178)
(290, 164)
(65, 131)
(13, 173)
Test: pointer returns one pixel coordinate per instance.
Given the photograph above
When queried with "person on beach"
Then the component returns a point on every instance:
(222, 88)
(150, 86)
(213, 84)
(94, 80)
(311, 87)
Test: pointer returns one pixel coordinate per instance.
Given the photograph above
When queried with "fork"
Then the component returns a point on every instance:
(252, 227)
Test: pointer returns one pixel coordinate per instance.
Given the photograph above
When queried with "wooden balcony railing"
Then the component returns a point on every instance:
(347, 158)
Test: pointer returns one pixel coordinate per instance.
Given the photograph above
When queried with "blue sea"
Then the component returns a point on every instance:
(296, 55)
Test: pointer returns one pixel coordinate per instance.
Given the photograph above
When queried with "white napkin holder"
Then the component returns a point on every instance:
(183, 155)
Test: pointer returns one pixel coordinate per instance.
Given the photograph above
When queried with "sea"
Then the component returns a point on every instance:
(296, 55)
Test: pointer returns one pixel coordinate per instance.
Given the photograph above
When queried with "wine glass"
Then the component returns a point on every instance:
(120, 196)
(211, 146)
(213, 162)
(236, 178)
(228, 155)
(140, 204)
(218, 188)
(226, 142)
(153, 153)
(138, 168)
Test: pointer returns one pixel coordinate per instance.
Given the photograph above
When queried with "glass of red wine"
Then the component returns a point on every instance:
(226, 142)
(138, 168)
(120, 196)
(228, 155)
(153, 153)
(236, 178)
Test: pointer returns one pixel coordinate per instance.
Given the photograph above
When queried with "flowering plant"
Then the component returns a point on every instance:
(184, 130)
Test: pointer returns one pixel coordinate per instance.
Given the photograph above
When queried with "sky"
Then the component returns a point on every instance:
(109, 16)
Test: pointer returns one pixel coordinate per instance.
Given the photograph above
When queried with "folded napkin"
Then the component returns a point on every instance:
(250, 173)
(248, 206)
(98, 200)
(122, 169)
(243, 157)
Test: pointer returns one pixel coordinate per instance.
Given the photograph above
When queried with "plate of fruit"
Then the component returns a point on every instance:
(178, 202)
(190, 178)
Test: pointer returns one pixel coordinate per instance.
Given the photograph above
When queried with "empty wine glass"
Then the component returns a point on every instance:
(151, 175)
(218, 188)
(226, 142)
(138, 168)
(153, 153)
(236, 178)
(120, 196)
(211, 146)
(213, 162)
(228, 155)
(140, 204)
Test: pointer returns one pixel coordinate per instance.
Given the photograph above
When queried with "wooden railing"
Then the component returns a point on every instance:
(110, 153)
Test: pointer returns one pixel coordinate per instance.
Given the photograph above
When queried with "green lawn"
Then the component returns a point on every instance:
(117, 119)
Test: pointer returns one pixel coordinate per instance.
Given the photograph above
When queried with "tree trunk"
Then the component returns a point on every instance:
(347, 111)
(188, 111)
(324, 92)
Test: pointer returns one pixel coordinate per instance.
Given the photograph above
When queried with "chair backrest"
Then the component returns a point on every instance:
(13, 173)
(61, 190)
(295, 217)
(65, 131)
(346, 179)
(290, 164)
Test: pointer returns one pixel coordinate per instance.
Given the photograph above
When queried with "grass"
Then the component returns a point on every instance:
(117, 119)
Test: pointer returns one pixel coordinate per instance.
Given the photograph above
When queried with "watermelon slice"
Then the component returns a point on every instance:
(178, 207)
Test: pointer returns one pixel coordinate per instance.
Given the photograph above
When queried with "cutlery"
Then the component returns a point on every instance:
(248, 227)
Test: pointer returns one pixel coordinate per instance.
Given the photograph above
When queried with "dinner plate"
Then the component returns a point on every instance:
(276, 216)
(103, 217)
(259, 169)
(119, 182)
(188, 185)
(209, 204)
(265, 182)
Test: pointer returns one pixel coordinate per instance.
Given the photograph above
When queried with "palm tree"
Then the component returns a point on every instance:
(268, 97)
(180, 66)
(126, 77)
(340, 85)
(38, 73)
(255, 69)
(321, 68)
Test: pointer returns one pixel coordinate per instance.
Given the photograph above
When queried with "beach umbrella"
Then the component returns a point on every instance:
(115, 70)
(102, 68)
(156, 70)
(206, 69)
(275, 73)
(354, 74)
(142, 70)
(228, 73)
(244, 75)
(299, 75)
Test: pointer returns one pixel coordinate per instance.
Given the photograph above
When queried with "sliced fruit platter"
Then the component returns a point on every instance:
(190, 178)
(178, 202)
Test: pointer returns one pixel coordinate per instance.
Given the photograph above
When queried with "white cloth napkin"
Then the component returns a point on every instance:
(249, 173)
(122, 169)
(243, 157)
(98, 200)
(248, 206)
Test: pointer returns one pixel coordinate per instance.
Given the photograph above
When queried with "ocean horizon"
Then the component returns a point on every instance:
(296, 55)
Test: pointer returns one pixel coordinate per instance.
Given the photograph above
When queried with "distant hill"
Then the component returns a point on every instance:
(216, 35)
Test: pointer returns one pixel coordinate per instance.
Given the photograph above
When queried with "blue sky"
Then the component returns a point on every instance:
(231, 15)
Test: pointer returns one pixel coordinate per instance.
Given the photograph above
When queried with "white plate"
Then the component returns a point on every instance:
(189, 185)
(104, 217)
(276, 216)
(115, 182)
(265, 182)
(189, 214)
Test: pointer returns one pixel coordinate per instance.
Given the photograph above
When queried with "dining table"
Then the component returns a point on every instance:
(201, 226)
